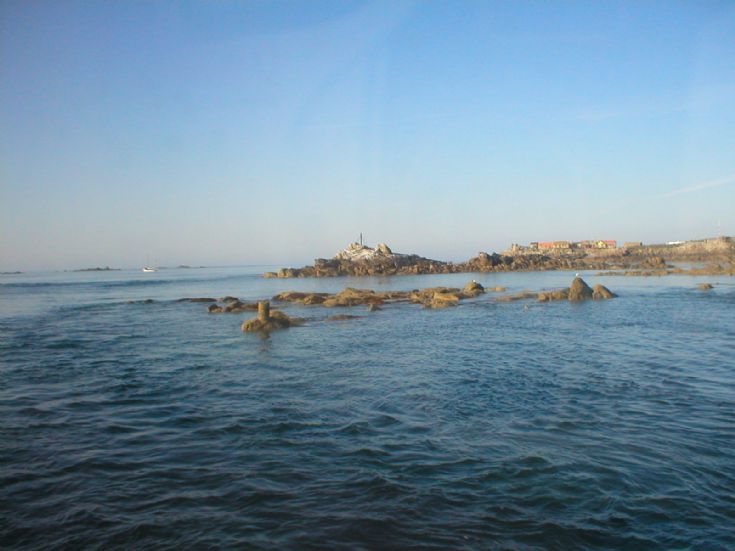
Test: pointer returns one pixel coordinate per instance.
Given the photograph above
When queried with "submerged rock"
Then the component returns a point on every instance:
(704, 286)
(237, 307)
(301, 298)
(342, 317)
(521, 295)
(197, 299)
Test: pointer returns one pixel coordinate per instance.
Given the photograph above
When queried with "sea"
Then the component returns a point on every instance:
(131, 424)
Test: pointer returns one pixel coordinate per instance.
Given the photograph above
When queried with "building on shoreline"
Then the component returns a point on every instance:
(565, 245)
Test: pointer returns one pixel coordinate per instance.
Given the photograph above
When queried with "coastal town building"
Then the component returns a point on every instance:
(565, 245)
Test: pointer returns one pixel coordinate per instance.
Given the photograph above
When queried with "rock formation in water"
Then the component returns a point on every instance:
(433, 297)
(231, 305)
(578, 290)
(268, 320)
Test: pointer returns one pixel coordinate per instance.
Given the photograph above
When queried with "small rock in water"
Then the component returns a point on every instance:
(704, 286)
(268, 320)
(602, 292)
(579, 290)
(473, 289)
(559, 294)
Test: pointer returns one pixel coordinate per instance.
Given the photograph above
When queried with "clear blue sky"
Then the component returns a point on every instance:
(225, 132)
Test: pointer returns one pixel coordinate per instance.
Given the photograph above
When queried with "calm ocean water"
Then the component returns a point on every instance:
(607, 425)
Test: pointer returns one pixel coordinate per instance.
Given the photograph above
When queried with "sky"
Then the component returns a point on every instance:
(231, 133)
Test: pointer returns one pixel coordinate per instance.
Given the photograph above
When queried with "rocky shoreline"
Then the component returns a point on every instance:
(359, 260)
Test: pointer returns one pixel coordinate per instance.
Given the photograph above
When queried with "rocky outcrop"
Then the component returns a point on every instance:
(301, 298)
(232, 306)
(268, 320)
(353, 297)
(473, 289)
(559, 294)
(600, 292)
(238, 307)
(704, 286)
(360, 260)
(579, 290)
(433, 297)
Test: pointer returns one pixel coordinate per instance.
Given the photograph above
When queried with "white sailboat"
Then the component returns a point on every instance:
(149, 267)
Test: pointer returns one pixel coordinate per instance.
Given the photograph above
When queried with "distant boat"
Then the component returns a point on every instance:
(149, 269)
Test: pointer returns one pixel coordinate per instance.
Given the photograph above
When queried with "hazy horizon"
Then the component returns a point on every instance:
(276, 132)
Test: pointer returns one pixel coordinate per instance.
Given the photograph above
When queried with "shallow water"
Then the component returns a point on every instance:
(604, 424)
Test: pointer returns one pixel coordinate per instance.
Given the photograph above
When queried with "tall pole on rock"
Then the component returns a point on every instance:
(264, 310)
(361, 239)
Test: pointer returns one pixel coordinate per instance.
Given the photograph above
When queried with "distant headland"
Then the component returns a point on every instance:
(629, 259)
(97, 269)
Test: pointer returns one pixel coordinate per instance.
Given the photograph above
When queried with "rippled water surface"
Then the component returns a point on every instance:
(605, 424)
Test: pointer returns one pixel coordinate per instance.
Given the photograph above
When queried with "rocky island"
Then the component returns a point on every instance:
(631, 259)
